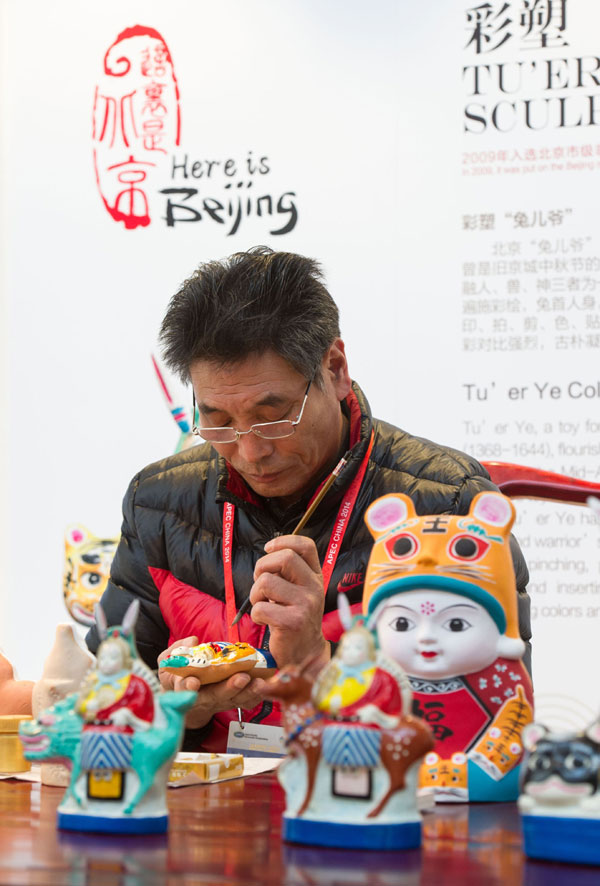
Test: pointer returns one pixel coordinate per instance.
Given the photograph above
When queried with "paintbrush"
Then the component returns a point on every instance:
(246, 605)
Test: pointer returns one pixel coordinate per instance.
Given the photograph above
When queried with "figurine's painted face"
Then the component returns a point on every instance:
(436, 634)
(110, 658)
(467, 555)
(88, 560)
(355, 648)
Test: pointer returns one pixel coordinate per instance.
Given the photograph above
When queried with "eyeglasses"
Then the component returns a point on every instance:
(268, 430)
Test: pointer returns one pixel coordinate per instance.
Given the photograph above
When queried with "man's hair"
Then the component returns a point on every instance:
(250, 303)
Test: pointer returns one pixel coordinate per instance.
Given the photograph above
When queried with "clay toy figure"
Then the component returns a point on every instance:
(440, 593)
(64, 669)
(119, 735)
(359, 684)
(560, 794)
(355, 750)
(15, 695)
(88, 559)
(219, 660)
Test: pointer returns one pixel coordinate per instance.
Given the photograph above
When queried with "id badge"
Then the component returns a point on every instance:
(255, 740)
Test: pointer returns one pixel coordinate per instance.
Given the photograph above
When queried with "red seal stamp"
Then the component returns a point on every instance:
(136, 122)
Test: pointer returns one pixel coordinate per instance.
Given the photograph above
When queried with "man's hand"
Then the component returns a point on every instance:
(239, 691)
(288, 596)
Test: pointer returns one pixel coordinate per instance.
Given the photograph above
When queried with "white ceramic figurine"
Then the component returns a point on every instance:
(119, 734)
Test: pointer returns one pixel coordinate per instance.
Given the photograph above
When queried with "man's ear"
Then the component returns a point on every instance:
(336, 366)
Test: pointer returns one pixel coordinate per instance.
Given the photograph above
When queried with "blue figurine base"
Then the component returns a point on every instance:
(352, 836)
(483, 788)
(574, 840)
(103, 824)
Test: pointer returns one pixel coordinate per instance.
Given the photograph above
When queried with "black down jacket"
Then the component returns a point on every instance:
(170, 555)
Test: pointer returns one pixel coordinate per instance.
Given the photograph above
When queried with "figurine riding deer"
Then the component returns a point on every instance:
(401, 744)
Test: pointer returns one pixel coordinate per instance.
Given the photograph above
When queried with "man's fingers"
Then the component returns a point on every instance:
(165, 679)
(176, 683)
(240, 690)
(287, 564)
(308, 600)
(300, 545)
(273, 588)
(284, 569)
(214, 693)
(290, 618)
(250, 696)
(240, 681)
(222, 695)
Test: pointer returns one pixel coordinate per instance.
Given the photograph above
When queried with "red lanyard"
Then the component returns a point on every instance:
(231, 611)
(343, 518)
(333, 548)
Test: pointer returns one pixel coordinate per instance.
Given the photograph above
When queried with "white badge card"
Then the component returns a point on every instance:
(255, 740)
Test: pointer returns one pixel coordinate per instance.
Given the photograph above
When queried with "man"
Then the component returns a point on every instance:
(258, 337)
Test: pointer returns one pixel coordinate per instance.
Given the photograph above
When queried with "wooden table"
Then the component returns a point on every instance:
(230, 833)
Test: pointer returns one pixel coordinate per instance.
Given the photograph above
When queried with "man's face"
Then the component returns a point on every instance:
(262, 388)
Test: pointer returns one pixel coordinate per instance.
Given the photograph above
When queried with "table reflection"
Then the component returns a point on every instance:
(230, 833)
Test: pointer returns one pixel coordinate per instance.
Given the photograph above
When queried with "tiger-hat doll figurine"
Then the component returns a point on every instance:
(440, 592)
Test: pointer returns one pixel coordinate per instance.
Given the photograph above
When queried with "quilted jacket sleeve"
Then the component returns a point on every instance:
(130, 579)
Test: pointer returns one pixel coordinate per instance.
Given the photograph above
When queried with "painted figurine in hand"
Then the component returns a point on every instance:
(560, 794)
(354, 749)
(440, 593)
(118, 734)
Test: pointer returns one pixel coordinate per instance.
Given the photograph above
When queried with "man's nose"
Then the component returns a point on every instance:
(254, 449)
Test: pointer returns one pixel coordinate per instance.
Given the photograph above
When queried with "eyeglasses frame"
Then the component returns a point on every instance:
(252, 429)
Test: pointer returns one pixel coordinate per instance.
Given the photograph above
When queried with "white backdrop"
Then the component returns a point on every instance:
(360, 111)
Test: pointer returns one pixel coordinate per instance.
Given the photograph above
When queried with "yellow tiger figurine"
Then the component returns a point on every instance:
(500, 748)
(447, 778)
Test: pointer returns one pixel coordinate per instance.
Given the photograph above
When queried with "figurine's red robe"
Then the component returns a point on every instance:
(137, 697)
(459, 709)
